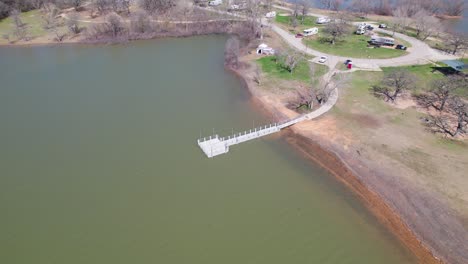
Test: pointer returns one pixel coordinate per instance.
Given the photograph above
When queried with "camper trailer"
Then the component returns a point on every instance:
(323, 20)
(215, 2)
(270, 14)
(265, 50)
(310, 31)
(376, 40)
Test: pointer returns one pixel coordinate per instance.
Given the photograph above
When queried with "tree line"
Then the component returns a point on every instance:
(387, 7)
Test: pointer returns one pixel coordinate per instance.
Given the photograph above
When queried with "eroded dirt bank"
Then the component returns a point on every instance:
(429, 228)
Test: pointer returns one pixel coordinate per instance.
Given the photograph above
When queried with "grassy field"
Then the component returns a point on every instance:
(354, 46)
(270, 67)
(33, 21)
(307, 22)
(428, 73)
(396, 139)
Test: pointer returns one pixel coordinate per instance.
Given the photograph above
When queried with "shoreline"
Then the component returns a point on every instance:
(337, 166)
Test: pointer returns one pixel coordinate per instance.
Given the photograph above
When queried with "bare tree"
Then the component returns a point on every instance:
(331, 4)
(48, 16)
(20, 29)
(304, 9)
(394, 84)
(335, 30)
(425, 25)
(115, 25)
(120, 6)
(76, 3)
(159, 6)
(454, 7)
(231, 52)
(254, 14)
(441, 92)
(101, 5)
(73, 24)
(59, 35)
(457, 42)
(289, 60)
(140, 22)
(400, 19)
(453, 123)
(383, 7)
(363, 7)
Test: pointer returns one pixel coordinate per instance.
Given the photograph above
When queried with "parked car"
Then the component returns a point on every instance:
(369, 27)
(299, 35)
(348, 61)
(323, 59)
(382, 26)
(401, 47)
(360, 31)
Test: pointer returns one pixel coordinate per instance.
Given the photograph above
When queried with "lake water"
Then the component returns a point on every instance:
(99, 164)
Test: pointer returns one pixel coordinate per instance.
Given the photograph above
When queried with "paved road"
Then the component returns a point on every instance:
(419, 53)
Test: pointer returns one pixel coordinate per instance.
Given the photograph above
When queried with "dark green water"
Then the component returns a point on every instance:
(99, 164)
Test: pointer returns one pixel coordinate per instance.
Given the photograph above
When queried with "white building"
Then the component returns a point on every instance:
(265, 50)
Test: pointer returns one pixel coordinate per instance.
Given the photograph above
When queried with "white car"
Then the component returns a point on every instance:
(323, 59)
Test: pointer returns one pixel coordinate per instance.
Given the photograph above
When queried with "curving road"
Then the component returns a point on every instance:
(419, 53)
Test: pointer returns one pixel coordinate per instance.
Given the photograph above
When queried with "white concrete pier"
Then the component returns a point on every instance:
(215, 145)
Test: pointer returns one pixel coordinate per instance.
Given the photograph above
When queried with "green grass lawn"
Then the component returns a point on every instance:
(426, 74)
(33, 22)
(354, 46)
(300, 73)
(307, 22)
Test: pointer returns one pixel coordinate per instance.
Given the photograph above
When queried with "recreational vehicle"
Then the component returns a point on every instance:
(215, 2)
(376, 40)
(310, 31)
(323, 20)
(270, 14)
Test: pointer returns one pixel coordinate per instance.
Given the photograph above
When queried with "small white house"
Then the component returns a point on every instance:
(215, 2)
(270, 14)
(310, 31)
(323, 20)
(265, 50)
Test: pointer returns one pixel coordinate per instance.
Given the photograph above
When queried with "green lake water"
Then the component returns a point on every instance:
(99, 164)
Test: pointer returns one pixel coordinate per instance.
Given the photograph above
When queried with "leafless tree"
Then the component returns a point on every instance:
(454, 7)
(331, 4)
(120, 6)
(400, 19)
(20, 29)
(425, 25)
(59, 35)
(452, 123)
(289, 60)
(231, 52)
(156, 6)
(254, 13)
(304, 9)
(335, 30)
(140, 22)
(76, 3)
(4, 10)
(441, 92)
(49, 16)
(115, 25)
(457, 42)
(383, 7)
(394, 84)
(6, 37)
(73, 24)
(101, 5)
(363, 7)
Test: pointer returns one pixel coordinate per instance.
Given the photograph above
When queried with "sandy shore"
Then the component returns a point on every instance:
(343, 169)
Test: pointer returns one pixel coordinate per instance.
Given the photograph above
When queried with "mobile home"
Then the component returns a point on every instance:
(310, 31)
(323, 20)
(376, 40)
(215, 2)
